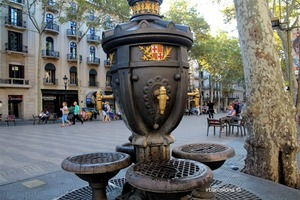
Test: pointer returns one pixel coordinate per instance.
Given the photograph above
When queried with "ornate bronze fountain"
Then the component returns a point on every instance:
(149, 76)
(149, 68)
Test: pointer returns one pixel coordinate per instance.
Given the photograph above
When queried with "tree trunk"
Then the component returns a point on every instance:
(285, 37)
(272, 141)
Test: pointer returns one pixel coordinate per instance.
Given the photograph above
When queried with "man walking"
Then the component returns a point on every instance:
(76, 113)
(211, 110)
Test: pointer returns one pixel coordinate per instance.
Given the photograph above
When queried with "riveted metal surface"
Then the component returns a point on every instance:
(169, 176)
(173, 169)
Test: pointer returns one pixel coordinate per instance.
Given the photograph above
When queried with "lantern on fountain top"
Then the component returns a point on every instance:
(149, 76)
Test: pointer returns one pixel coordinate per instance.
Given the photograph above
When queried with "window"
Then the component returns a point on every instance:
(49, 44)
(92, 77)
(73, 27)
(92, 31)
(14, 41)
(49, 18)
(16, 72)
(73, 50)
(49, 73)
(73, 75)
(92, 52)
(15, 16)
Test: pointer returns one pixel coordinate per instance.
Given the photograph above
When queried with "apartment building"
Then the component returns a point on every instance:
(19, 78)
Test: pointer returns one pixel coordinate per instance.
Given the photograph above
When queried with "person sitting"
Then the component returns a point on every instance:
(231, 112)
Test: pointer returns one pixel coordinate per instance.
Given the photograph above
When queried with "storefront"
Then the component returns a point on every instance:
(15, 104)
(53, 99)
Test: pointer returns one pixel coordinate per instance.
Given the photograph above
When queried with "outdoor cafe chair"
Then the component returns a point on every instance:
(215, 123)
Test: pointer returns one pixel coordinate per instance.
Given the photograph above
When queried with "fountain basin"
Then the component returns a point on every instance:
(212, 155)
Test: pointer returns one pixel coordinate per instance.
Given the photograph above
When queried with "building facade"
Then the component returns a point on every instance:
(20, 79)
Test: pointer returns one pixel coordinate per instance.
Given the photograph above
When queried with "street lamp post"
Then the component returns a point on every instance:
(65, 78)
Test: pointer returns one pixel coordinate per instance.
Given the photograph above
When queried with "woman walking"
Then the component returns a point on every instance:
(65, 112)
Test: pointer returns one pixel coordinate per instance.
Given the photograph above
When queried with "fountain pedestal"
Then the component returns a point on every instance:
(97, 169)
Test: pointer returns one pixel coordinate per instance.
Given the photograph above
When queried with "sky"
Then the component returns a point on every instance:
(212, 15)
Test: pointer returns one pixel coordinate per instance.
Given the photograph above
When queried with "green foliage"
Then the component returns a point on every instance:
(221, 57)
(182, 12)
(119, 10)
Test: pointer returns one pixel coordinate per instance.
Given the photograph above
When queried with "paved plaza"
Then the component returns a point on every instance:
(30, 156)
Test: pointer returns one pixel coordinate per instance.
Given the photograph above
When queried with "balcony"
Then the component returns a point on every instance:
(51, 27)
(48, 81)
(93, 39)
(93, 83)
(52, 7)
(18, 2)
(73, 83)
(22, 49)
(14, 83)
(15, 24)
(93, 61)
(73, 58)
(107, 64)
(72, 33)
(50, 54)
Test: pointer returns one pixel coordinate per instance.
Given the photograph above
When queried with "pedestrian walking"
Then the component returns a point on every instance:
(106, 110)
(211, 110)
(77, 113)
(65, 112)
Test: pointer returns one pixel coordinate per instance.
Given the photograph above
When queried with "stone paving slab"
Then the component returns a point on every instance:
(36, 152)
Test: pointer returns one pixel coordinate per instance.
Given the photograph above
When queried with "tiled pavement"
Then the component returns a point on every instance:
(36, 152)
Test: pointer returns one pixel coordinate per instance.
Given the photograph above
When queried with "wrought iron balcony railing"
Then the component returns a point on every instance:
(50, 54)
(15, 23)
(73, 33)
(93, 60)
(14, 81)
(18, 49)
(73, 57)
(93, 38)
(52, 27)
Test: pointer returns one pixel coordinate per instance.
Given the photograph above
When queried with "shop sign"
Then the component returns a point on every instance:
(49, 98)
(15, 97)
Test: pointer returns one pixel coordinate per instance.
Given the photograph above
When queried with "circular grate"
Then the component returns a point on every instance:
(96, 158)
(221, 190)
(169, 169)
(203, 148)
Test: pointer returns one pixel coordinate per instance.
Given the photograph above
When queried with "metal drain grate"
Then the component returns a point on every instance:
(203, 148)
(168, 169)
(223, 191)
(95, 158)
